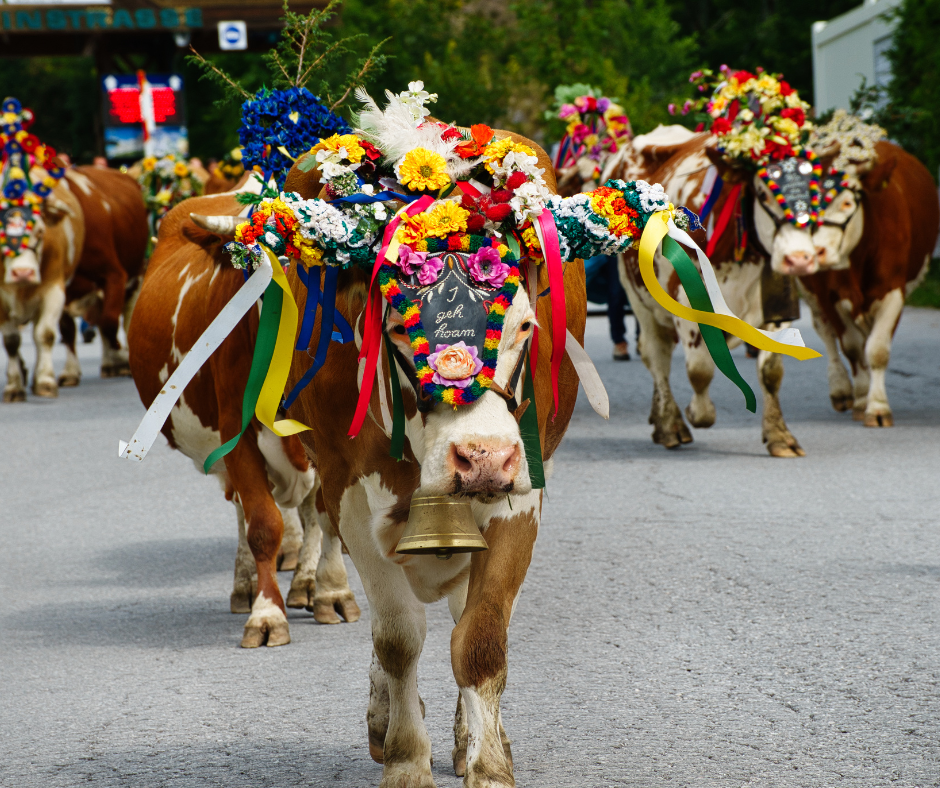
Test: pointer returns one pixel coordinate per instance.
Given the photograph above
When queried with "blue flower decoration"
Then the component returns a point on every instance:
(15, 189)
(13, 105)
(266, 120)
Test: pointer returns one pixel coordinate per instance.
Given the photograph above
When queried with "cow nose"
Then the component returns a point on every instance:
(799, 263)
(485, 467)
(22, 274)
(821, 253)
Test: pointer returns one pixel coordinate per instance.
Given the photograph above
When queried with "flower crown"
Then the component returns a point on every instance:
(165, 182)
(596, 126)
(21, 152)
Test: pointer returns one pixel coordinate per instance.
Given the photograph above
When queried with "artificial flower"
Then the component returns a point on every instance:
(528, 202)
(349, 144)
(454, 365)
(480, 136)
(409, 260)
(412, 228)
(423, 170)
(486, 267)
(496, 151)
(180, 170)
(446, 218)
(430, 271)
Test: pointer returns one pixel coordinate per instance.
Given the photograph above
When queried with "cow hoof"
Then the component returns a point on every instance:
(302, 591)
(46, 388)
(858, 414)
(407, 775)
(120, 370)
(14, 395)
(69, 381)
(672, 438)
(460, 761)
(334, 611)
(266, 631)
(879, 420)
(702, 422)
(376, 750)
(287, 562)
(240, 601)
(785, 449)
(842, 403)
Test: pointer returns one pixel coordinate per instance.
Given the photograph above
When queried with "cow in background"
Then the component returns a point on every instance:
(269, 479)
(110, 266)
(855, 271)
(740, 263)
(33, 286)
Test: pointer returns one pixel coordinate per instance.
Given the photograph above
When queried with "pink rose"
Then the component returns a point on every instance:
(567, 110)
(671, 109)
(455, 365)
(430, 270)
(486, 267)
(409, 260)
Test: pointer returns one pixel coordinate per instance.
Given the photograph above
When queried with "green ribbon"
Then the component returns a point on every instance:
(260, 361)
(699, 299)
(529, 430)
(398, 408)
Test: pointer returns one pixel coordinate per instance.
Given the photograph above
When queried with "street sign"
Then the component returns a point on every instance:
(233, 35)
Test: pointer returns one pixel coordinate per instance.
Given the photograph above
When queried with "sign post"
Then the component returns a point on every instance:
(233, 35)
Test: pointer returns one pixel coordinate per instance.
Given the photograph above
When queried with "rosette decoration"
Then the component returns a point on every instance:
(762, 126)
(595, 126)
(278, 125)
(165, 182)
(29, 171)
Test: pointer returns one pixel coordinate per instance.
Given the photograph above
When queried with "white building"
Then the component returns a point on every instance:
(850, 47)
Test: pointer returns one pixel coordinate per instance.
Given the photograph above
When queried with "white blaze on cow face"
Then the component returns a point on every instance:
(792, 251)
(23, 268)
(837, 238)
(476, 448)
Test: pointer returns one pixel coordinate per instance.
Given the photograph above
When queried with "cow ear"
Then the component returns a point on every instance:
(878, 176)
(54, 210)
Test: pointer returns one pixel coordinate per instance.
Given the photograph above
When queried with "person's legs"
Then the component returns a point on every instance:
(616, 300)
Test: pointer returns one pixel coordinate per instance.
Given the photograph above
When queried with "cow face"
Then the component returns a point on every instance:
(840, 232)
(23, 230)
(474, 448)
(791, 248)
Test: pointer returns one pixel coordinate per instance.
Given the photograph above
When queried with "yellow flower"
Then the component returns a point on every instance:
(787, 126)
(16, 174)
(354, 151)
(446, 219)
(311, 255)
(180, 170)
(496, 151)
(236, 154)
(149, 163)
(412, 228)
(423, 170)
(531, 239)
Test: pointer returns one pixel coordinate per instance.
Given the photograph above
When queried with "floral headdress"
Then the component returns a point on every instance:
(761, 124)
(596, 126)
(232, 166)
(166, 181)
(20, 154)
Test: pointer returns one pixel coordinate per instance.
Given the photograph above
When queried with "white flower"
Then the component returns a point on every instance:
(367, 188)
(652, 197)
(380, 213)
(528, 201)
(331, 163)
(414, 100)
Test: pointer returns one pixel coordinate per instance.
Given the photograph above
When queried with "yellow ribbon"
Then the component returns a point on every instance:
(272, 390)
(652, 235)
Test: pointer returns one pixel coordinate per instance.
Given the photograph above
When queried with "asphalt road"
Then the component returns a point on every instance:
(703, 617)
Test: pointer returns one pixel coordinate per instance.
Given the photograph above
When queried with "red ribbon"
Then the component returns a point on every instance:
(556, 285)
(727, 211)
(372, 325)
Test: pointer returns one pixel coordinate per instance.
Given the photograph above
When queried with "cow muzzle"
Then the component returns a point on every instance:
(799, 263)
(23, 270)
(485, 467)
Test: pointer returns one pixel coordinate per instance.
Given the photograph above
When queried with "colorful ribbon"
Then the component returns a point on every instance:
(548, 237)
(727, 211)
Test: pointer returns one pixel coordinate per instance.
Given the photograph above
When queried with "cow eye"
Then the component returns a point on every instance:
(526, 326)
(399, 329)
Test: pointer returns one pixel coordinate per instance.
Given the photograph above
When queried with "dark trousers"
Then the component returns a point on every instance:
(616, 301)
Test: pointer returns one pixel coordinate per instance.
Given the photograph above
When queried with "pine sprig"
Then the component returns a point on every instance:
(212, 72)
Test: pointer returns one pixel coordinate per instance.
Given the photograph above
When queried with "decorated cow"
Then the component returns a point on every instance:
(41, 237)
(166, 181)
(421, 334)
(228, 174)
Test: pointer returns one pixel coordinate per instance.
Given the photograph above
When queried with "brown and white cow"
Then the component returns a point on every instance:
(858, 267)
(33, 287)
(269, 479)
(107, 277)
(474, 450)
(682, 171)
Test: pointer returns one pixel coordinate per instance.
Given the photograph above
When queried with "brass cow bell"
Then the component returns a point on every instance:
(440, 525)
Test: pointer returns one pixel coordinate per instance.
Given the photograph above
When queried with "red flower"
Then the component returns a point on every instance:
(454, 243)
(721, 126)
(516, 180)
(591, 104)
(372, 153)
(498, 213)
(700, 127)
(777, 151)
(785, 89)
(30, 143)
(450, 133)
(475, 223)
(500, 195)
(481, 134)
(797, 114)
(742, 76)
(468, 203)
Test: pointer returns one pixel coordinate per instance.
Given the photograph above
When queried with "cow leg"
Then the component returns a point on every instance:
(113, 357)
(479, 642)
(72, 374)
(398, 633)
(304, 582)
(886, 313)
(248, 474)
(15, 389)
(292, 542)
(44, 334)
(701, 369)
(840, 386)
(777, 436)
(656, 343)
(243, 590)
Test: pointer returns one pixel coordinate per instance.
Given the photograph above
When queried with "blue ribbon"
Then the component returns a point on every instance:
(367, 199)
(712, 198)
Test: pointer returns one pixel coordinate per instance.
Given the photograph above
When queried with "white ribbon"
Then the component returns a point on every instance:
(204, 347)
(587, 372)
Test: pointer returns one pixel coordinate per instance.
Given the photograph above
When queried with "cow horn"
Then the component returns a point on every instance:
(222, 225)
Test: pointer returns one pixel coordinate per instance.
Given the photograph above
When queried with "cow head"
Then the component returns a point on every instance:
(21, 238)
(470, 440)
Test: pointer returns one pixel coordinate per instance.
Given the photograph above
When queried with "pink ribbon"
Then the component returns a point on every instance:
(556, 285)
